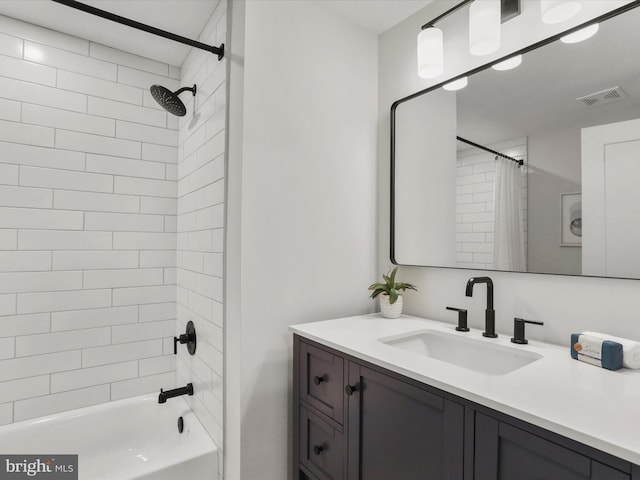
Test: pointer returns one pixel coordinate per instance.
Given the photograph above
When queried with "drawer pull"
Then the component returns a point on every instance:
(317, 449)
(319, 379)
(350, 389)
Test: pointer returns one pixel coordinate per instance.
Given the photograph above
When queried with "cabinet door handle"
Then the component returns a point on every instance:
(319, 379)
(317, 449)
(350, 389)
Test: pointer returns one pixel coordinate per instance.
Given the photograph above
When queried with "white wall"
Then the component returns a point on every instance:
(201, 191)
(425, 145)
(565, 304)
(87, 223)
(554, 160)
(305, 196)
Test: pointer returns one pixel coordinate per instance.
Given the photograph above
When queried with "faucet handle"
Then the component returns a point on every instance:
(189, 337)
(462, 319)
(518, 330)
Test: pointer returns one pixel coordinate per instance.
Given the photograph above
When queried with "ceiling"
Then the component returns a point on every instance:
(375, 15)
(183, 17)
(540, 95)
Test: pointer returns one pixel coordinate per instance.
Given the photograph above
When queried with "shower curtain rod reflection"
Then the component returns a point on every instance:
(486, 149)
(141, 26)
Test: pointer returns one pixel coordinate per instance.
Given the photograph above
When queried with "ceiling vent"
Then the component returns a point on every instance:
(603, 97)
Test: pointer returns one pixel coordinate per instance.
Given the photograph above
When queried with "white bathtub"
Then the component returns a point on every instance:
(135, 438)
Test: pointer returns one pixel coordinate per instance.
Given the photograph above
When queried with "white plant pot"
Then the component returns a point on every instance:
(388, 310)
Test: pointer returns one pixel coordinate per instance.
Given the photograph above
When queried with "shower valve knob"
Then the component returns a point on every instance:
(189, 337)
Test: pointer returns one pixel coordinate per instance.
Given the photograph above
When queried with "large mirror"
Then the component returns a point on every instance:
(532, 169)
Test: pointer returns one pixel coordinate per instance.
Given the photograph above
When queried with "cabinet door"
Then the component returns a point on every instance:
(399, 431)
(602, 472)
(504, 452)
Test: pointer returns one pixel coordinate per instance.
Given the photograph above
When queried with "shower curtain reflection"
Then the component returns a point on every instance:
(509, 240)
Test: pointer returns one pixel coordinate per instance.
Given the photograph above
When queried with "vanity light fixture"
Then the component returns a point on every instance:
(558, 11)
(456, 84)
(431, 45)
(484, 27)
(430, 53)
(485, 17)
(581, 34)
(508, 64)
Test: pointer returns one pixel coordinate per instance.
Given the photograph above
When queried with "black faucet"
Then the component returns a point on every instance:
(462, 319)
(518, 330)
(176, 392)
(490, 314)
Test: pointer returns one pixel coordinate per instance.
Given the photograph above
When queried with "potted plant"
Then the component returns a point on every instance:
(391, 298)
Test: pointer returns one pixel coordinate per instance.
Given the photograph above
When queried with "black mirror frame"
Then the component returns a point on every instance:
(394, 106)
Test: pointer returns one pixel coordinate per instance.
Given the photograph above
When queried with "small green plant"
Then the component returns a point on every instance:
(390, 287)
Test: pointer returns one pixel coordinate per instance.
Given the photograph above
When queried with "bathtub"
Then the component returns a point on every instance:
(135, 438)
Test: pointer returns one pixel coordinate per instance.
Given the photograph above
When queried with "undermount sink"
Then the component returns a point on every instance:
(474, 354)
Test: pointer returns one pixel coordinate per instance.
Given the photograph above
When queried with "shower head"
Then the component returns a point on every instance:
(169, 100)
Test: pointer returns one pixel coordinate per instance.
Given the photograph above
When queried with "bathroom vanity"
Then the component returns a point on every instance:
(374, 401)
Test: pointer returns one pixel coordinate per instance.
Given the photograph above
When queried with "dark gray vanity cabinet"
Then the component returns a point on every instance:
(357, 421)
(505, 452)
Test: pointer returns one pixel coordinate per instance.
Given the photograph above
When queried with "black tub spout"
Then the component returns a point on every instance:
(176, 392)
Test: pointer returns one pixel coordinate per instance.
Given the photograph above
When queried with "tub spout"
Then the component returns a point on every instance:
(176, 392)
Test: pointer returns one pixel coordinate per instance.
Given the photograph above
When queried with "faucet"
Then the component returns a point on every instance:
(176, 392)
(490, 314)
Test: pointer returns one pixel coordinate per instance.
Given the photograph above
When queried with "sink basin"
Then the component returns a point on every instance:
(473, 354)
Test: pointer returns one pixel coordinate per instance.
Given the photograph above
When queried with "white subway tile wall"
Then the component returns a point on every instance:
(87, 224)
(475, 174)
(200, 226)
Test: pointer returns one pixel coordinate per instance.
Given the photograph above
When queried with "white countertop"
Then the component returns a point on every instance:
(594, 406)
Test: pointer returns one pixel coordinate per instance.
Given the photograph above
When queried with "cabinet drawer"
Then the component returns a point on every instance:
(322, 381)
(322, 447)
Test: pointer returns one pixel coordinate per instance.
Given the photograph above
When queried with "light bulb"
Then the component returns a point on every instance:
(456, 84)
(557, 11)
(484, 27)
(508, 64)
(581, 34)
(430, 53)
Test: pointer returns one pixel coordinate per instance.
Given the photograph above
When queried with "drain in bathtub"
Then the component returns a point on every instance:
(180, 424)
